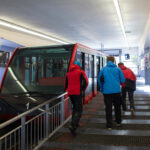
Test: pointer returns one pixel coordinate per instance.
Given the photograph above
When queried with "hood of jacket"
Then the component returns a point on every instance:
(74, 67)
(110, 64)
(122, 67)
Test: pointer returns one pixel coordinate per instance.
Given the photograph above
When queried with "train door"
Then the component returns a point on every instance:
(87, 68)
(80, 56)
(97, 70)
(27, 76)
(83, 67)
(101, 64)
(33, 70)
(30, 70)
(91, 74)
(92, 71)
(102, 61)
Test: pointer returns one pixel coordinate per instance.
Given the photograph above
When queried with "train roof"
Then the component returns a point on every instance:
(66, 46)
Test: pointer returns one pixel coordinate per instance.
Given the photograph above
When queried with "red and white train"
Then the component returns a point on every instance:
(36, 74)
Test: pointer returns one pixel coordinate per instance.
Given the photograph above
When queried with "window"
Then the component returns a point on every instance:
(38, 69)
(87, 64)
(97, 66)
(91, 66)
(78, 56)
(4, 58)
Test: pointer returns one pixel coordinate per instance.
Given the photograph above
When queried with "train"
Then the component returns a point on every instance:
(36, 74)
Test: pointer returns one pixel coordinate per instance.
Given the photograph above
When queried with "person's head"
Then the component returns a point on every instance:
(111, 58)
(120, 64)
(77, 63)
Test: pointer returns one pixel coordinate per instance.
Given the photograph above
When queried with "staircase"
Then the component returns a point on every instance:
(134, 134)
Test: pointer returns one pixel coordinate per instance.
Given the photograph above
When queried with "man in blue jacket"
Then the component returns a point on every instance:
(109, 79)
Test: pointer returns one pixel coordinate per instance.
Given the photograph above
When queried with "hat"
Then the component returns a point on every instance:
(77, 63)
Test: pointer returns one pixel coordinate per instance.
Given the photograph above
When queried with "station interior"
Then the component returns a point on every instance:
(119, 28)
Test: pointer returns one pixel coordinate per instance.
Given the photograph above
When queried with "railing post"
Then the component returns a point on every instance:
(23, 133)
(62, 109)
(0, 145)
(46, 119)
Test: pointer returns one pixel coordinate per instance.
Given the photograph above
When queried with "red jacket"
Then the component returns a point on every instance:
(76, 80)
(128, 74)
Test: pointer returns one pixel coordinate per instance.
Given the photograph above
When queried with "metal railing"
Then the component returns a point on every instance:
(31, 131)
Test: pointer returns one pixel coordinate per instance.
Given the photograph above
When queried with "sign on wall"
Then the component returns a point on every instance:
(147, 61)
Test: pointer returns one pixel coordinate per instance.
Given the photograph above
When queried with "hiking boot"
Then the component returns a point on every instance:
(132, 112)
(118, 124)
(124, 108)
(109, 128)
(72, 130)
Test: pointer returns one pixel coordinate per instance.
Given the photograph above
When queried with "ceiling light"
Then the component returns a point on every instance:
(120, 18)
(22, 29)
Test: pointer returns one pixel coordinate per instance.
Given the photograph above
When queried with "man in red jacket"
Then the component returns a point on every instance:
(76, 82)
(128, 74)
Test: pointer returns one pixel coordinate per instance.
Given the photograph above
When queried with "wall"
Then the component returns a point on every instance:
(147, 59)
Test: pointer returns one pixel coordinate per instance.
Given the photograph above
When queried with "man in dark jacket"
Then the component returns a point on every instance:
(128, 75)
(76, 82)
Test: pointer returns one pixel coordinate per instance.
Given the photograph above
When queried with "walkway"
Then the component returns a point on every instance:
(93, 135)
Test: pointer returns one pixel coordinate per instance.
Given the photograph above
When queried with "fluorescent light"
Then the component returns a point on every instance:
(19, 83)
(120, 18)
(22, 29)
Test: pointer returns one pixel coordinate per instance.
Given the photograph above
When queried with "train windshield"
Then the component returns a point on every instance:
(40, 70)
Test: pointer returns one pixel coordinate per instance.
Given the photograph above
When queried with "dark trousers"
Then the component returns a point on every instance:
(76, 109)
(130, 95)
(109, 100)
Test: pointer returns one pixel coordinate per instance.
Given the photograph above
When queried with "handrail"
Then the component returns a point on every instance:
(29, 111)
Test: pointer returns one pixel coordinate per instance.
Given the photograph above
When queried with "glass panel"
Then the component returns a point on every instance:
(101, 62)
(4, 58)
(27, 70)
(91, 66)
(79, 56)
(97, 66)
(87, 64)
(38, 69)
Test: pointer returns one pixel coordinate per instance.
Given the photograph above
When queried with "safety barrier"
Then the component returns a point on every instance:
(33, 130)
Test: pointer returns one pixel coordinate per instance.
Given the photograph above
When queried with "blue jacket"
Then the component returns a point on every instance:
(113, 77)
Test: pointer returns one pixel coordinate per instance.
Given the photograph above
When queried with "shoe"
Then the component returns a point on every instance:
(132, 107)
(132, 112)
(109, 128)
(118, 125)
(124, 108)
(72, 130)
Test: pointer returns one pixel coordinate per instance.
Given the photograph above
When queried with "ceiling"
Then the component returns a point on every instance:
(89, 22)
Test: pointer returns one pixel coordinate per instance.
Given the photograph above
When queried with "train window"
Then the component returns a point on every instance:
(91, 66)
(87, 64)
(101, 62)
(37, 70)
(98, 70)
(78, 56)
(97, 66)
(4, 58)
(104, 61)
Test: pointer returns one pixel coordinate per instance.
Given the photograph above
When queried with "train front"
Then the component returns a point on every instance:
(33, 76)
